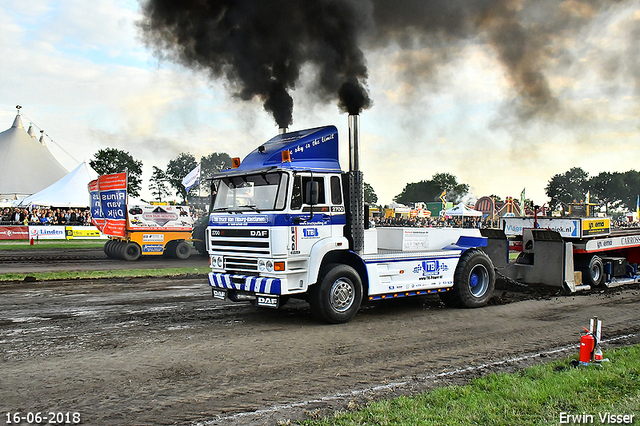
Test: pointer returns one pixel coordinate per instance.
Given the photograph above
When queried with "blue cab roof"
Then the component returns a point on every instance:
(311, 149)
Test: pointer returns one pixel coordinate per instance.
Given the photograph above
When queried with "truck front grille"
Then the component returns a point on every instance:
(240, 264)
(241, 248)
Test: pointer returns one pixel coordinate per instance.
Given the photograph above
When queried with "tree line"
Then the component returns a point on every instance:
(611, 190)
(163, 182)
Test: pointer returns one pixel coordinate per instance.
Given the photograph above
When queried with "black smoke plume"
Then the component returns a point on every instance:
(260, 46)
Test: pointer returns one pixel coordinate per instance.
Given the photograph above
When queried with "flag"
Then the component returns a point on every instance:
(638, 207)
(586, 198)
(192, 179)
(443, 195)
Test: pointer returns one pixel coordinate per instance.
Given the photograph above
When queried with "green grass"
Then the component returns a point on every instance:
(51, 244)
(536, 396)
(125, 273)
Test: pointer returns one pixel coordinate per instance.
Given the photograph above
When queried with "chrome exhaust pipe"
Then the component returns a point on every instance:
(356, 223)
(354, 143)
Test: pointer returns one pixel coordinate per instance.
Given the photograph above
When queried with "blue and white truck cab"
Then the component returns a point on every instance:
(288, 222)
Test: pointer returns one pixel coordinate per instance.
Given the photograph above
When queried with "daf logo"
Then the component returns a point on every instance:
(269, 302)
(264, 233)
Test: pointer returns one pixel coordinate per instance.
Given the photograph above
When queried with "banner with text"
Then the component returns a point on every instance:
(14, 232)
(113, 203)
(97, 219)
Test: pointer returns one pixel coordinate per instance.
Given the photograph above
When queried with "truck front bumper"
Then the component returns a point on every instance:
(246, 283)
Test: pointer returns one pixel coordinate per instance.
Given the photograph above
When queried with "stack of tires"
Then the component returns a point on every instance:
(129, 250)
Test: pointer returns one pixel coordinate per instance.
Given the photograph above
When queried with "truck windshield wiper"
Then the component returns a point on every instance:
(252, 207)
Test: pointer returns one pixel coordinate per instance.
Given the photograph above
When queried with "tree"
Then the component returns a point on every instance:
(430, 190)
(111, 160)
(212, 164)
(563, 189)
(177, 169)
(629, 196)
(607, 189)
(158, 184)
(369, 194)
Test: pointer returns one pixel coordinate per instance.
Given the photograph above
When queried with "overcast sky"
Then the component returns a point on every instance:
(82, 73)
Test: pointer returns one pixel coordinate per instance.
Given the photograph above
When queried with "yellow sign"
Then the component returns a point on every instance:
(82, 233)
(600, 226)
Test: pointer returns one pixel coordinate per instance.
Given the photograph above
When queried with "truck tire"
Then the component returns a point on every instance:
(170, 249)
(473, 281)
(337, 296)
(131, 251)
(118, 249)
(593, 273)
(182, 250)
(107, 248)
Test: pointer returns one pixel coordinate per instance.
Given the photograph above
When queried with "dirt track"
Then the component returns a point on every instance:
(158, 351)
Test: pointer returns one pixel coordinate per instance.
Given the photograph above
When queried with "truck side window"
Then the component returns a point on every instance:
(320, 180)
(336, 193)
(296, 194)
(300, 186)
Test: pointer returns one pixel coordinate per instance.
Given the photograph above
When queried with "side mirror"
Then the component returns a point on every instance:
(312, 189)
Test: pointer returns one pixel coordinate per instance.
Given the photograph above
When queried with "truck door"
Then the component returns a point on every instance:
(310, 222)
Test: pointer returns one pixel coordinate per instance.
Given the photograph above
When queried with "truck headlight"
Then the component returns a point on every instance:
(261, 265)
(217, 262)
(269, 265)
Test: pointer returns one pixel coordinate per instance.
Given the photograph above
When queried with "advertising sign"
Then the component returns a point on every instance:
(14, 232)
(97, 219)
(47, 232)
(568, 228)
(599, 226)
(113, 202)
(83, 233)
(150, 218)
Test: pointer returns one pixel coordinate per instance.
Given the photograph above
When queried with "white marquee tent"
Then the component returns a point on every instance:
(462, 210)
(70, 191)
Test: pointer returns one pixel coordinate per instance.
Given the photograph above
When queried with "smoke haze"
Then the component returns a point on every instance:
(259, 47)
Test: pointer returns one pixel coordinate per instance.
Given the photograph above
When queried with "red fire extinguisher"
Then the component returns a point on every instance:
(587, 343)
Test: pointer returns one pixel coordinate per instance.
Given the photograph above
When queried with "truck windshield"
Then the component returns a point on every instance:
(257, 192)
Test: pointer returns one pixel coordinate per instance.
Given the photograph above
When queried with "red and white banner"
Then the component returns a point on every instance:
(112, 191)
(14, 232)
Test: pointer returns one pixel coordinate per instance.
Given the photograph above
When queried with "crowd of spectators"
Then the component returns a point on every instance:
(467, 222)
(432, 222)
(624, 224)
(44, 216)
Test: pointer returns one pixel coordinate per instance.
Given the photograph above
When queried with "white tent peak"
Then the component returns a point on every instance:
(26, 166)
(17, 122)
(31, 132)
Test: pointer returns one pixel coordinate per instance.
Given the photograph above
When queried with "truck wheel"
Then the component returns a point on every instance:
(473, 281)
(107, 248)
(170, 249)
(594, 272)
(337, 296)
(182, 250)
(131, 251)
(118, 249)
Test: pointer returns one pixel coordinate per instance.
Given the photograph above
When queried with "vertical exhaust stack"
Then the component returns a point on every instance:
(354, 143)
(356, 223)
(283, 130)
